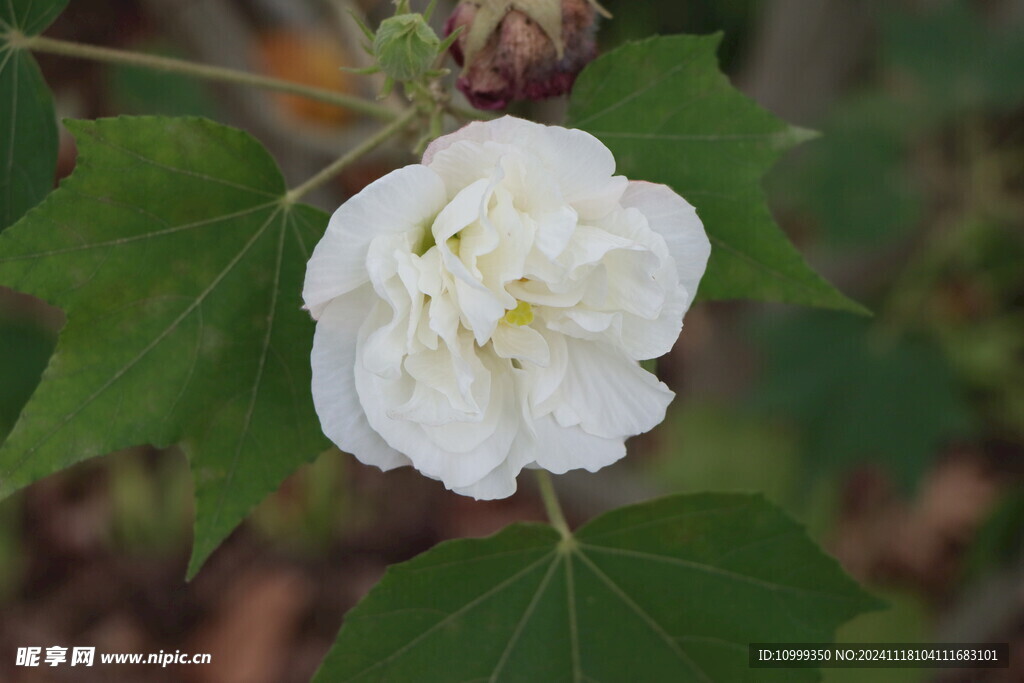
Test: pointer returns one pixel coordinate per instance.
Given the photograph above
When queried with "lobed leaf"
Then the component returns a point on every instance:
(670, 116)
(28, 125)
(668, 590)
(861, 397)
(180, 269)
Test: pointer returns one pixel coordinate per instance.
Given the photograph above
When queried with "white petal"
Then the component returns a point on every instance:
(404, 200)
(507, 129)
(632, 284)
(507, 263)
(459, 453)
(480, 306)
(542, 384)
(393, 273)
(560, 449)
(643, 339)
(521, 342)
(442, 372)
(554, 231)
(676, 220)
(608, 394)
(590, 245)
(584, 168)
(334, 393)
(499, 482)
(592, 321)
(465, 162)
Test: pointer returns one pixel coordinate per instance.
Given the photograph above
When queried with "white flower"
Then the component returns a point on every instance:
(486, 310)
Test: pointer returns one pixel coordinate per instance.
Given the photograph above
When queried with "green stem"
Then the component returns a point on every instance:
(204, 71)
(551, 505)
(352, 155)
(466, 115)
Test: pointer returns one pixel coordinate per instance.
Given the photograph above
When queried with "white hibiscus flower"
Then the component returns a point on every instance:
(486, 310)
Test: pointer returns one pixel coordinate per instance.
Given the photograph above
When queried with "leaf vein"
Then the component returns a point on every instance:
(181, 171)
(136, 238)
(233, 468)
(714, 571)
(145, 351)
(634, 95)
(454, 615)
(523, 621)
(671, 642)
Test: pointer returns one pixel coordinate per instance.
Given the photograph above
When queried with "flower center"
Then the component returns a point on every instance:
(521, 315)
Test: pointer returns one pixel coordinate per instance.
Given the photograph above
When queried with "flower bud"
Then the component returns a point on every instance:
(521, 49)
(405, 46)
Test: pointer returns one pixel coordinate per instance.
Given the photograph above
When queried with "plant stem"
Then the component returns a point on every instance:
(204, 71)
(353, 154)
(465, 114)
(550, 498)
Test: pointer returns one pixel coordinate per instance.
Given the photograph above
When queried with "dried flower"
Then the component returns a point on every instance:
(521, 49)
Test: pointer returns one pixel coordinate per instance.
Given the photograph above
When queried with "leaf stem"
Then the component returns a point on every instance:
(465, 114)
(551, 504)
(204, 71)
(352, 155)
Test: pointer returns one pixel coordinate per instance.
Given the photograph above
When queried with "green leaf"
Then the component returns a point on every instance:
(26, 349)
(907, 620)
(695, 434)
(180, 269)
(137, 90)
(861, 397)
(28, 125)
(955, 59)
(670, 116)
(669, 590)
(855, 182)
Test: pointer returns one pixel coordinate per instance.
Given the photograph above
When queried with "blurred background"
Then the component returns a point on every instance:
(898, 439)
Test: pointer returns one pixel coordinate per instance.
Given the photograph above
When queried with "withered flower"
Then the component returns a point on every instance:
(521, 49)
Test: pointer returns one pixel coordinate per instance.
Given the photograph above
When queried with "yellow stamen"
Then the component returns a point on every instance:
(520, 315)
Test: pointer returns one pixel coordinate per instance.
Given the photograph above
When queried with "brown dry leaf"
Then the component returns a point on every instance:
(251, 632)
(881, 537)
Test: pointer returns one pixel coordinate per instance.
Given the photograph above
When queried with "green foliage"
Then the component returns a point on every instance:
(736, 19)
(670, 116)
(861, 397)
(180, 268)
(940, 69)
(854, 181)
(310, 510)
(955, 60)
(710, 446)
(26, 349)
(134, 90)
(668, 590)
(999, 542)
(151, 502)
(28, 134)
(906, 620)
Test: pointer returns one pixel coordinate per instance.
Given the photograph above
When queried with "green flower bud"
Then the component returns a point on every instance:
(405, 46)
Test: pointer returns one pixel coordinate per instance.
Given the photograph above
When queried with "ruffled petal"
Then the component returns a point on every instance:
(584, 168)
(676, 221)
(458, 454)
(338, 264)
(334, 393)
(521, 343)
(608, 394)
(481, 307)
(559, 449)
(507, 129)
